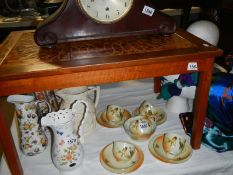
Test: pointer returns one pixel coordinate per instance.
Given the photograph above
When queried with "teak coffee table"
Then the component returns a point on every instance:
(25, 68)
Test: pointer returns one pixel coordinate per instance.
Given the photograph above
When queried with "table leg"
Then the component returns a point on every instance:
(8, 147)
(200, 104)
(157, 84)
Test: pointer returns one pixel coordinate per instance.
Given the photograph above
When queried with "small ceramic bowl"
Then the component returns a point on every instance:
(123, 151)
(139, 127)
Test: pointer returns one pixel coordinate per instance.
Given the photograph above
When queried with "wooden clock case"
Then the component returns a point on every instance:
(69, 23)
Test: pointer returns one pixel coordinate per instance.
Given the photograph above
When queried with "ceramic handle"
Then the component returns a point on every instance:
(43, 101)
(80, 127)
(39, 112)
(96, 93)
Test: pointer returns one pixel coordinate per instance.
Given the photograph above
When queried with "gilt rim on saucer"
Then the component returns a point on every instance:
(160, 154)
(103, 123)
(105, 164)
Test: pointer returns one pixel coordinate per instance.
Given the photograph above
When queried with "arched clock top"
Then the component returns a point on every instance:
(93, 19)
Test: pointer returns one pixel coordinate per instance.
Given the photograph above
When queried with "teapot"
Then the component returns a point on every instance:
(67, 150)
(32, 138)
(70, 95)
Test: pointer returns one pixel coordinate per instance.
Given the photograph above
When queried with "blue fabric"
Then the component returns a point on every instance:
(220, 104)
(218, 126)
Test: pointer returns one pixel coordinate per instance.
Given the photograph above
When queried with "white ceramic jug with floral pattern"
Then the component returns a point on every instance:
(70, 95)
(67, 151)
(32, 138)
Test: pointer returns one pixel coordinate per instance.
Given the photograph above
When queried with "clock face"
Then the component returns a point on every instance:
(106, 11)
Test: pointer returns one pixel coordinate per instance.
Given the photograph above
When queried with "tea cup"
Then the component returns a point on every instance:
(146, 108)
(114, 114)
(173, 144)
(123, 151)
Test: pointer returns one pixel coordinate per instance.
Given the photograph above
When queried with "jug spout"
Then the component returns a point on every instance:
(59, 118)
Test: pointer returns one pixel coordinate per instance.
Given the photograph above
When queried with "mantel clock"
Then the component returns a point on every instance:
(94, 19)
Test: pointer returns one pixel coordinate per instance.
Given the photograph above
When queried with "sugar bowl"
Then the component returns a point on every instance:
(139, 127)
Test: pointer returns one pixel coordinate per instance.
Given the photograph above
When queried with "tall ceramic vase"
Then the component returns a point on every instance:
(67, 151)
(70, 95)
(32, 138)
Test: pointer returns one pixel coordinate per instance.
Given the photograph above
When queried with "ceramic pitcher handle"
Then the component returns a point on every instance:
(38, 110)
(97, 94)
(80, 127)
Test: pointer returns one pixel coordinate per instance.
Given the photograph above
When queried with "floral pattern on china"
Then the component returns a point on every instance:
(123, 151)
(32, 138)
(157, 147)
(155, 114)
(121, 164)
(67, 150)
(139, 127)
(113, 116)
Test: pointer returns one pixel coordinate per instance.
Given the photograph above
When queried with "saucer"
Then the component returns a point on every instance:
(109, 162)
(161, 115)
(102, 120)
(156, 149)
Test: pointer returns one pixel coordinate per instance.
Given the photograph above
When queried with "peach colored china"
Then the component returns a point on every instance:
(103, 121)
(114, 114)
(109, 162)
(156, 149)
(173, 144)
(155, 114)
(123, 151)
(139, 127)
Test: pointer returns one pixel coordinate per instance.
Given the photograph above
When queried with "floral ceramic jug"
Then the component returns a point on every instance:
(32, 138)
(67, 151)
(70, 95)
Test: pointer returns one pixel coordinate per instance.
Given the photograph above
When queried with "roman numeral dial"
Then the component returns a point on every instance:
(105, 11)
